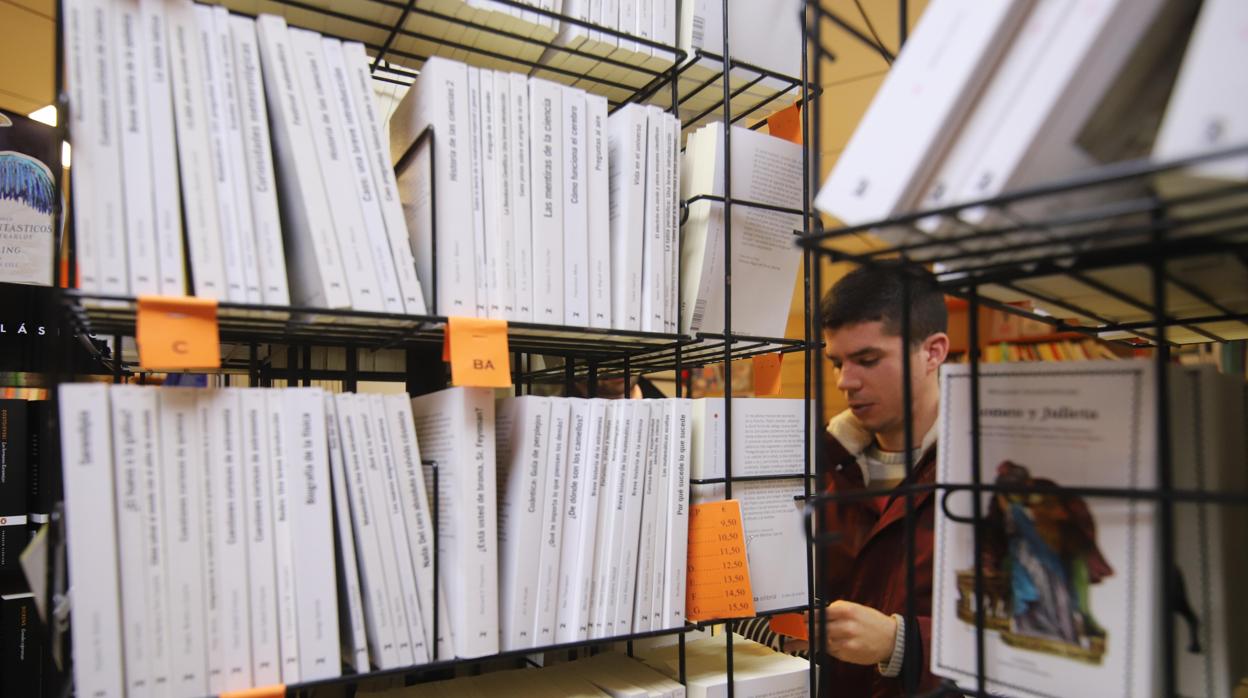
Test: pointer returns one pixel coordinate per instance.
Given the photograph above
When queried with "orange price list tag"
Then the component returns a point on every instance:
(718, 570)
(275, 691)
(177, 332)
(767, 374)
(477, 351)
(787, 123)
(790, 624)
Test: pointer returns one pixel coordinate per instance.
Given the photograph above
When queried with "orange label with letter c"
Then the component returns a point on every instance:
(177, 333)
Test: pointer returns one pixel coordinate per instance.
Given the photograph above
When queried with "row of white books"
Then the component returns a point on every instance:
(1072, 596)
(984, 100)
(765, 258)
(544, 209)
(266, 141)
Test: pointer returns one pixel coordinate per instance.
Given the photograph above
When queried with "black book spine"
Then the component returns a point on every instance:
(13, 468)
(21, 649)
(36, 491)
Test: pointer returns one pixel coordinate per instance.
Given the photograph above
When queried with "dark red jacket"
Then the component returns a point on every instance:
(866, 564)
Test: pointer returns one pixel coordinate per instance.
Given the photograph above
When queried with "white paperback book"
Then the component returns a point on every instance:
(546, 163)
(261, 570)
(608, 552)
(129, 51)
(626, 137)
(415, 500)
(351, 634)
(106, 151)
(598, 211)
(266, 224)
(380, 620)
(644, 595)
(677, 543)
(311, 515)
(630, 539)
(131, 439)
(768, 35)
(767, 439)
(283, 535)
(930, 87)
(339, 193)
(216, 82)
(162, 149)
(576, 291)
(581, 434)
(663, 484)
(550, 548)
(504, 131)
(211, 453)
(438, 100)
(179, 449)
(1067, 608)
(152, 473)
(455, 428)
(88, 471)
(594, 617)
(199, 207)
(376, 142)
(235, 150)
(78, 65)
(490, 187)
(378, 504)
(351, 144)
(654, 266)
(523, 438)
(481, 253)
(521, 197)
(376, 413)
(317, 277)
(229, 545)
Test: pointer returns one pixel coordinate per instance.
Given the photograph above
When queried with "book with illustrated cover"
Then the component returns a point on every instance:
(1069, 581)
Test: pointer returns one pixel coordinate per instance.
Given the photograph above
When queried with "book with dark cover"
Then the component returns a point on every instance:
(13, 468)
(21, 647)
(41, 470)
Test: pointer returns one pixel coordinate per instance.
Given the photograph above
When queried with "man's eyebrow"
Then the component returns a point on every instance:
(863, 353)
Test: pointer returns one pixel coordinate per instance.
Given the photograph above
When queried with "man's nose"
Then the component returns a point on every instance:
(848, 380)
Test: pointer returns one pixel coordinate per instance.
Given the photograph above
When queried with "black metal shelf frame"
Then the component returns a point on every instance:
(1129, 224)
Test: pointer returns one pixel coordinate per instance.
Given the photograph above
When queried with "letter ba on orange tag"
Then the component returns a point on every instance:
(477, 350)
(790, 624)
(275, 691)
(177, 332)
(786, 124)
(718, 571)
(767, 374)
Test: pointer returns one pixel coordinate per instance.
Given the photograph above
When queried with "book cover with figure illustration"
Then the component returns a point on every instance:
(27, 197)
(1069, 593)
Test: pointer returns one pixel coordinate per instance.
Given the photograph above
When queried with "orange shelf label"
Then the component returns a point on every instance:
(767, 374)
(177, 332)
(790, 624)
(477, 351)
(787, 124)
(718, 571)
(274, 691)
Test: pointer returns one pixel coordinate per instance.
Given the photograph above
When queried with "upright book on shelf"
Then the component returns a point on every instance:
(14, 473)
(129, 47)
(522, 434)
(598, 208)
(550, 547)
(166, 201)
(1069, 581)
(257, 481)
(351, 631)
(627, 142)
(546, 163)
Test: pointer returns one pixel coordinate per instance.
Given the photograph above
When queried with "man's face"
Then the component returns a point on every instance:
(868, 363)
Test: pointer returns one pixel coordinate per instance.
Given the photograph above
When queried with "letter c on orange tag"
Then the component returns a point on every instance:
(478, 352)
(275, 691)
(767, 374)
(177, 333)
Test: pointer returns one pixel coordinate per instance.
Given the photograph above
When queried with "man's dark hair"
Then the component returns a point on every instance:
(874, 293)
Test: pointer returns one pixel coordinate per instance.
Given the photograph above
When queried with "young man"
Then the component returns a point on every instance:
(872, 648)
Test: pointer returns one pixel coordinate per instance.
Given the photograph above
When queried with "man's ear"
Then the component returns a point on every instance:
(935, 350)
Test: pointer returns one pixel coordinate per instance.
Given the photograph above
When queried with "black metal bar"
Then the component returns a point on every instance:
(818, 639)
(981, 668)
(808, 427)
(729, 94)
(516, 373)
(292, 366)
(903, 23)
(253, 364)
(1205, 298)
(748, 204)
(853, 31)
(1065, 305)
(351, 378)
(592, 379)
(727, 126)
(118, 368)
(305, 367)
(909, 681)
(680, 639)
(1137, 303)
(1123, 493)
(569, 376)
(392, 35)
(749, 478)
(436, 570)
(1165, 513)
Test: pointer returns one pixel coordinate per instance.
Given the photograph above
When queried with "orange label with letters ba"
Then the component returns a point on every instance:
(767, 374)
(177, 332)
(477, 350)
(275, 691)
(718, 572)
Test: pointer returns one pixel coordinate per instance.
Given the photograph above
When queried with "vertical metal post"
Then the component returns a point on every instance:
(903, 28)
(253, 364)
(292, 366)
(592, 379)
(981, 669)
(1165, 507)
(679, 390)
(351, 378)
(117, 367)
(436, 571)
(58, 167)
(727, 80)
(909, 680)
(812, 121)
(569, 376)
(516, 373)
(305, 367)
(807, 356)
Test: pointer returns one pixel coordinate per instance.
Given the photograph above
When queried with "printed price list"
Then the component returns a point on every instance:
(719, 572)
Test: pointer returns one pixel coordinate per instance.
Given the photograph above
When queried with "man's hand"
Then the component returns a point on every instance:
(859, 634)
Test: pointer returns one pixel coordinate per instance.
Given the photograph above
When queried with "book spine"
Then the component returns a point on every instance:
(162, 149)
(283, 535)
(266, 223)
(598, 212)
(593, 467)
(311, 515)
(38, 475)
(261, 570)
(521, 197)
(546, 162)
(575, 209)
(379, 619)
(632, 528)
(78, 61)
(398, 527)
(351, 145)
(155, 545)
(180, 489)
(87, 462)
(522, 428)
(671, 221)
(106, 151)
(654, 263)
(490, 194)
(480, 548)
(352, 635)
(370, 451)
(678, 530)
(663, 513)
(135, 623)
(212, 71)
(627, 146)
(377, 148)
(350, 240)
(203, 234)
(210, 454)
(504, 133)
(643, 594)
(232, 541)
(14, 473)
(127, 43)
(317, 277)
(621, 452)
(21, 653)
(476, 162)
(552, 516)
(579, 433)
(603, 535)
